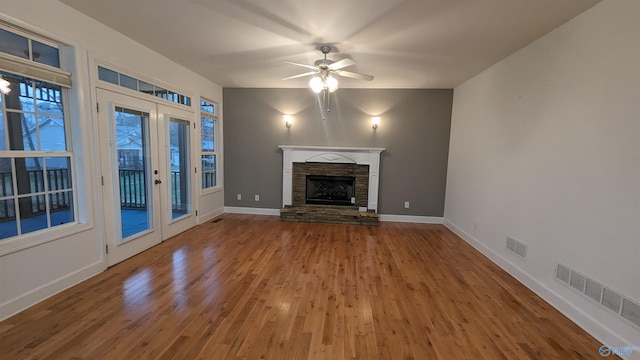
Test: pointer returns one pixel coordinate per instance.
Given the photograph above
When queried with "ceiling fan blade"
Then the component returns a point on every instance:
(354, 75)
(303, 65)
(341, 64)
(301, 75)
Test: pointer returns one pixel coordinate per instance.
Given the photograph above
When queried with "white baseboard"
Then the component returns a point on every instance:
(575, 314)
(251, 211)
(411, 219)
(209, 216)
(383, 217)
(22, 302)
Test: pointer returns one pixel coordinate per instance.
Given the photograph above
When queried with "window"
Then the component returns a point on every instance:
(209, 150)
(36, 180)
(123, 80)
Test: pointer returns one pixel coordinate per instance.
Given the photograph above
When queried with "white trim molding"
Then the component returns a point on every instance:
(331, 154)
(411, 219)
(30, 298)
(251, 211)
(210, 216)
(382, 217)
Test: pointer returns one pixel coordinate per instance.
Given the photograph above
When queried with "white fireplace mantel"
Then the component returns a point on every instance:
(331, 154)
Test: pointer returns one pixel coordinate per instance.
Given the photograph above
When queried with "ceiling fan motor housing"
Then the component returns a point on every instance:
(323, 63)
(325, 49)
(325, 68)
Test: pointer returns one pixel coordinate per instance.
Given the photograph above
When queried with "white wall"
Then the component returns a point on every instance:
(545, 147)
(35, 273)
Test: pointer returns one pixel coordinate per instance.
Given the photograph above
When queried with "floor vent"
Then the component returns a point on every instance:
(216, 221)
(623, 306)
(564, 274)
(631, 311)
(611, 300)
(593, 290)
(516, 247)
(577, 281)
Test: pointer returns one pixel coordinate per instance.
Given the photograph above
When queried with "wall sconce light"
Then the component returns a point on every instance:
(287, 120)
(375, 121)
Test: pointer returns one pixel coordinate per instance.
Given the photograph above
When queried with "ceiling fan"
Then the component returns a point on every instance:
(323, 72)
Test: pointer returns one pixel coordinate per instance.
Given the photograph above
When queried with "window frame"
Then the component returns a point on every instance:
(72, 110)
(216, 148)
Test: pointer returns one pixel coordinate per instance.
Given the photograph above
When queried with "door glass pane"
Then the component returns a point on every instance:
(133, 171)
(107, 75)
(128, 82)
(179, 162)
(145, 87)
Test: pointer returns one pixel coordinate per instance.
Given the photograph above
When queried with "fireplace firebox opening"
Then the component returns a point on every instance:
(330, 190)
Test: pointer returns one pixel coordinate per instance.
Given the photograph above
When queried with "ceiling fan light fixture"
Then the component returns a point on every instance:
(316, 84)
(331, 84)
(319, 83)
(325, 71)
(4, 86)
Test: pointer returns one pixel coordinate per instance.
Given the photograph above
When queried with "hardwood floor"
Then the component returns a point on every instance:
(253, 287)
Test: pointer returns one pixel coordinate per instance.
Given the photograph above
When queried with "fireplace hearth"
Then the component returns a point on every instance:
(330, 190)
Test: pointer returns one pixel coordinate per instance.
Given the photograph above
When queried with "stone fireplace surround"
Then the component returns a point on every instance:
(361, 162)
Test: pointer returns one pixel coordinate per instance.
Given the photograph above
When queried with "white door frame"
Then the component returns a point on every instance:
(162, 225)
(171, 227)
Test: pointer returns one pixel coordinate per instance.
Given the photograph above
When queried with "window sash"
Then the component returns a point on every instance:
(48, 193)
(205, 104)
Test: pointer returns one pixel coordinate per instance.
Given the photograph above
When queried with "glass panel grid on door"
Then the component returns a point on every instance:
(179, 160)
(133, 171)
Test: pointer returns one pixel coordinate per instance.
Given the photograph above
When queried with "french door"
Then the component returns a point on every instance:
(146, 164)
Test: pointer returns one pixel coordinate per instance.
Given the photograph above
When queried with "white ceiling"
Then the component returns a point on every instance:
(403, 43)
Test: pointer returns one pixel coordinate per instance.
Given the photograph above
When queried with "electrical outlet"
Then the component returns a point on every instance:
(406, 204)
(257, 197)
(239, 196)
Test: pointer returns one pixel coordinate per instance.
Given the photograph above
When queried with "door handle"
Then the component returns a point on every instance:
(158, 181)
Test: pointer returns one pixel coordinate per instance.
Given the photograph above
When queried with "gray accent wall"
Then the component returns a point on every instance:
(414, 129)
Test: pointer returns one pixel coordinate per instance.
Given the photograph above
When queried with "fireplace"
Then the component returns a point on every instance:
(330, 184)
(342, 185)
(330, 190)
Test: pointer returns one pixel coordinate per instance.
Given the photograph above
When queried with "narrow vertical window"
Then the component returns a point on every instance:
(209, 144)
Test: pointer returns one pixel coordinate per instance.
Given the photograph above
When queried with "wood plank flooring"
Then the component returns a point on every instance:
(252, 287)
